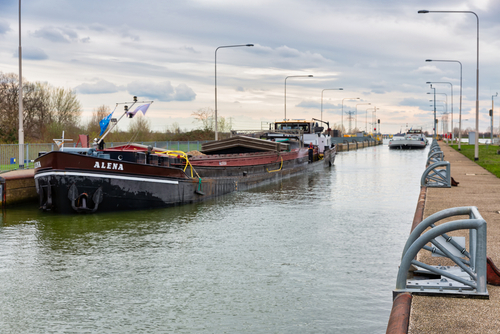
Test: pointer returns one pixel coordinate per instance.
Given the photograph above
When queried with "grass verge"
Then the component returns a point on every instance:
(489, 158)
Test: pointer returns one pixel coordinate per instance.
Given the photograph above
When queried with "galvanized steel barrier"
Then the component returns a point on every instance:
(434, 147)
(436, 156)
(467, 278)
(437, 174)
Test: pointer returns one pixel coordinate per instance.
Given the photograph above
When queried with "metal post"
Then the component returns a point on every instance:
(21, 116)
(342, 122)
(294, 76)
(451, 86)
(321, 99)
(492, 115)
(215, 113)
(476, 144)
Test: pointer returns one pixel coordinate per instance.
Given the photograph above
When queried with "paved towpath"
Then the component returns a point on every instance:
(477, 187)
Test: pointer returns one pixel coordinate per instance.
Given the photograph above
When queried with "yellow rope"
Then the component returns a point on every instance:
(181, 155)
(276, 170)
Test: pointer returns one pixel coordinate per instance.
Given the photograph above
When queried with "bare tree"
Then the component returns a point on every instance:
(65, 106)
(140, 128)
(206, 117)
(45, 109)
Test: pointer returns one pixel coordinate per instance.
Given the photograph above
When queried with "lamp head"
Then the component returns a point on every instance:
(428, 82)
(423, 11)
(310, 75)
(249, 45)
(343, 89)
(428, 60)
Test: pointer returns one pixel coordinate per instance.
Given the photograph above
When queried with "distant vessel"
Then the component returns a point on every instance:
(413, 139)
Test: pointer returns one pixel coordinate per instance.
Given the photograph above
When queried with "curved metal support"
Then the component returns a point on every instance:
(476, 274)
(434, 149)
(433, 145)
(434, 157)
(436, 176)
(468, 277)
(471, 211)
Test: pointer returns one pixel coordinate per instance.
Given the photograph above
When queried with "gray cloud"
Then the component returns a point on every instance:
(99, 87)
(56, 34)
(31, 53)
(375, 50)
(161, 91)
(4, 27)
(413, 102)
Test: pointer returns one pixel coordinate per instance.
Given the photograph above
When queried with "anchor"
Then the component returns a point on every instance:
(47, 196)
(79, 202)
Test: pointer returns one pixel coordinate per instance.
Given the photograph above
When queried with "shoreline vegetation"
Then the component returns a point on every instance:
(489, 156)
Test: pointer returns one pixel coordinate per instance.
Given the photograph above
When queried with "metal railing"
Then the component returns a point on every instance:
(468, 277)
(9, 153)
(434, 147)
(436, 156)
(437, 175)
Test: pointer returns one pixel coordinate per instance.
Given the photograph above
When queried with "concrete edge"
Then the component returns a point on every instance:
(399, 318)
(400, 314)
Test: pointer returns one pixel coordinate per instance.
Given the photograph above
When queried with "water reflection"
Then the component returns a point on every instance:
(316, 253)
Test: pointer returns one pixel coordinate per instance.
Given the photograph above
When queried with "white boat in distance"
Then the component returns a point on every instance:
(413, 139)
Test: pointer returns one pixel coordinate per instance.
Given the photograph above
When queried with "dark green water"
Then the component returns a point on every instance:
(312, 254)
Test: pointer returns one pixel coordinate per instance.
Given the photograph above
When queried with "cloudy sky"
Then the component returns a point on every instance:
(108, 51)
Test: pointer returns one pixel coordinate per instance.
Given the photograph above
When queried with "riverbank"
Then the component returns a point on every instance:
(480, 188)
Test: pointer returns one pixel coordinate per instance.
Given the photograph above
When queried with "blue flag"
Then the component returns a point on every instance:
(104, 123)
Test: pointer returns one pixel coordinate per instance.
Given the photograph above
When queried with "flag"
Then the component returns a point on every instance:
(104, 123)
(142, 108)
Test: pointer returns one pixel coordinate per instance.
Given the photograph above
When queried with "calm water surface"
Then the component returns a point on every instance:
(312, 254)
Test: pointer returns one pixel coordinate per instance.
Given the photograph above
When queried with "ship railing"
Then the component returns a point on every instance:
(469, 274)
(9, 153)
(437, 175)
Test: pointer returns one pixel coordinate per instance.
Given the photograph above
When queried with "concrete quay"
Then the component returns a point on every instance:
(431, 314)
(355, 145)
(17, 186)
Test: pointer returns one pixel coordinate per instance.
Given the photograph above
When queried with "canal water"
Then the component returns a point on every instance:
(317, 253)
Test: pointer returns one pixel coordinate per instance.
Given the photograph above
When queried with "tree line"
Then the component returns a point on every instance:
(48, 111)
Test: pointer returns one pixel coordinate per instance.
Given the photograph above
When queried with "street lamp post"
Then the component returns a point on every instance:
(492, 96)
(221, 47)
(451, 86)
(460, 110)
(342, 121)
(476, 144)
(445, 102)
(294, 76)
(434, 122)
(356, 124)
(366, 117)
(21, 116)
(322, 99)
